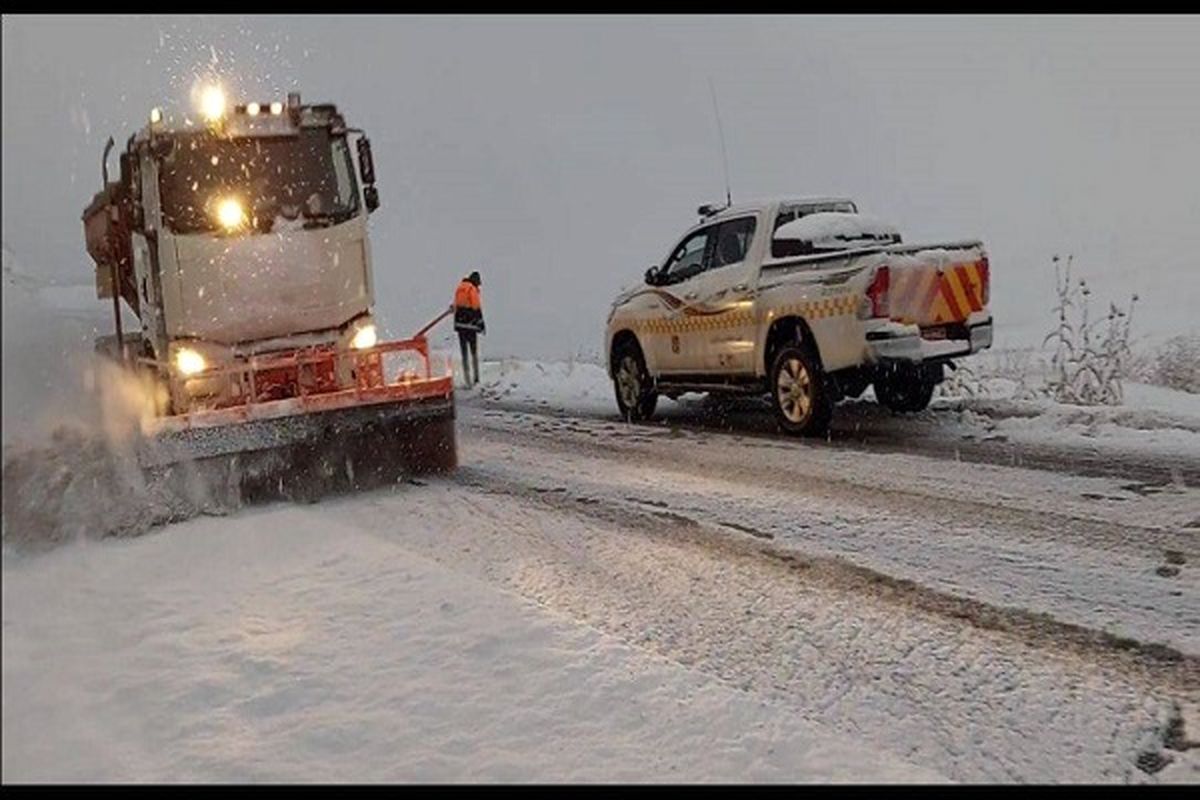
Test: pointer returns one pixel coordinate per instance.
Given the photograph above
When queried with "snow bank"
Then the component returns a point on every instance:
(1149, 432)
(998, 391)
(279, 646)
(559, 385)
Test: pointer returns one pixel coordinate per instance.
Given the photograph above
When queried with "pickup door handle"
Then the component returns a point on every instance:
(741, 287)
(691, 295)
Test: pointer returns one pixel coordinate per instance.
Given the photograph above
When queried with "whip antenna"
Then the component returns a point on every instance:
(721, 134)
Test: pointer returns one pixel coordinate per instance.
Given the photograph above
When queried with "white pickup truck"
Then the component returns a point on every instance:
(805, 300)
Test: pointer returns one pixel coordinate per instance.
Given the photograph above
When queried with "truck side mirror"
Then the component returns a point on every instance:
(371, 195)
(161, 148)
(366, 164)
(652, 275)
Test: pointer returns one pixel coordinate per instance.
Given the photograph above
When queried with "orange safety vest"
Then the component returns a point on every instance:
(467, 296)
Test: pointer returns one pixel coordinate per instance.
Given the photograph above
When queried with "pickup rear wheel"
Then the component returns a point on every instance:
(636, 397)
(798, 392)
(904, 391)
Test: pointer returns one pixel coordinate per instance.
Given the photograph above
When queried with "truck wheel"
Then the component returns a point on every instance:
(798, 392)
(904, 392)
(636, 397)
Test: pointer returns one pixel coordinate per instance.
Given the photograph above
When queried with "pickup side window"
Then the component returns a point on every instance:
(690, 256)
(733, 240)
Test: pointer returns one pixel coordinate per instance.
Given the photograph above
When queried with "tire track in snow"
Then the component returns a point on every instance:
(1002, 550)
(878, 431)
(1166, 665)
(858, 480)
(841, 647)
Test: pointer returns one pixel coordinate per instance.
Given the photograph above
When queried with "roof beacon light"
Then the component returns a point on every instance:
(277, 108)
(212, 103)
(253, 108)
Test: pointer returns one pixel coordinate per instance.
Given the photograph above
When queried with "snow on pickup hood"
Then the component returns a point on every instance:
(628, 291)
(833, 230)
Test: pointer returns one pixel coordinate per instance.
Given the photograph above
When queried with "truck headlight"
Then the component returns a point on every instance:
(364, 338)
(230, 213)
(189, 362)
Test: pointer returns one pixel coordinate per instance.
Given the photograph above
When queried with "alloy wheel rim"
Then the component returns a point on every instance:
(794, 391)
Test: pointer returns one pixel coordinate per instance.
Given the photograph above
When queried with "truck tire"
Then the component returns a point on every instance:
(636, 397)
(904, 391)
(798, 393)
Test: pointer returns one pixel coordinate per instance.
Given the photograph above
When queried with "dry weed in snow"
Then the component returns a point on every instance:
(1091, 356)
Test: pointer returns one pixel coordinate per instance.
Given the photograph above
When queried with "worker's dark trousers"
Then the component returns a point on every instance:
(466, 339)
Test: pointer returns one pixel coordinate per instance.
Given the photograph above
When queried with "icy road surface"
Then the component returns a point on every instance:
(590, 600)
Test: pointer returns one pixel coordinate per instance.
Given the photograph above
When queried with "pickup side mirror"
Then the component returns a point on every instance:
(371, 196)
(652, 275)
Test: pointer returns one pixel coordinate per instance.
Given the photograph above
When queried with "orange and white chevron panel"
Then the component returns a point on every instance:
(930, 296)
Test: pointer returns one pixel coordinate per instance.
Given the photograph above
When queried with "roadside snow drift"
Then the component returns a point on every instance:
(558, 385)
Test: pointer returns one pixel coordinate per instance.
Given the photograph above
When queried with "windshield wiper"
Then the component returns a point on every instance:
(325, 219)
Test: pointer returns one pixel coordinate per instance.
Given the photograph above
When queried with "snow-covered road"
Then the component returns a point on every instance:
(590, 600)
(289, 645)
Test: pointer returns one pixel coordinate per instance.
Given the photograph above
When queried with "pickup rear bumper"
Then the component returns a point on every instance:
(892, 341)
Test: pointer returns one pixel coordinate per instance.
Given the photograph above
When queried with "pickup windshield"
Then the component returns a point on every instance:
(309, 174)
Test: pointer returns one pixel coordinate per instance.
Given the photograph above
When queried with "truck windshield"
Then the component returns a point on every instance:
(309, 175)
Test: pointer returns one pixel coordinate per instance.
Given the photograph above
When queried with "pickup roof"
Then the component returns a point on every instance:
(807, 301)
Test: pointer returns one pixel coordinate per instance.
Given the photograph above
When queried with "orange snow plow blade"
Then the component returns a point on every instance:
(321, 440)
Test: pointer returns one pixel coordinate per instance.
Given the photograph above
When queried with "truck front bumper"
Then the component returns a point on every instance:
(892, 341)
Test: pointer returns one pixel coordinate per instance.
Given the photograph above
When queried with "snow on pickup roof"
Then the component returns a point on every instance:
(748, 206)
(828, 226)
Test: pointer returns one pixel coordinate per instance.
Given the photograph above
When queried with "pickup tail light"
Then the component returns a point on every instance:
(877, 293)
(985, 280)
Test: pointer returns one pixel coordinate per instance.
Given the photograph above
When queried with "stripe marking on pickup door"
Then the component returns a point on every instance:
(821, 308)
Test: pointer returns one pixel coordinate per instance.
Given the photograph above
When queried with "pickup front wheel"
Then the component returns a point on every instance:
(636, 397)
(798, 393)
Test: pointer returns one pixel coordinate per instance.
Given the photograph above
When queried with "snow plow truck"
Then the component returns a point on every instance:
(239, 242)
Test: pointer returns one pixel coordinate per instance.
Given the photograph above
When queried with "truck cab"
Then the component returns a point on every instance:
(237, 237)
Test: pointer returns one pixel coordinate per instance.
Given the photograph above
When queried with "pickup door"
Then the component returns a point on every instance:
(711, 330)
(726, 291)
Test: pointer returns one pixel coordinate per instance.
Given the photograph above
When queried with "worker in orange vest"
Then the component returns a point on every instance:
(468, 322)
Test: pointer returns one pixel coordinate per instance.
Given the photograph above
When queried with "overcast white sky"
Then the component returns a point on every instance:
(561, 156)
